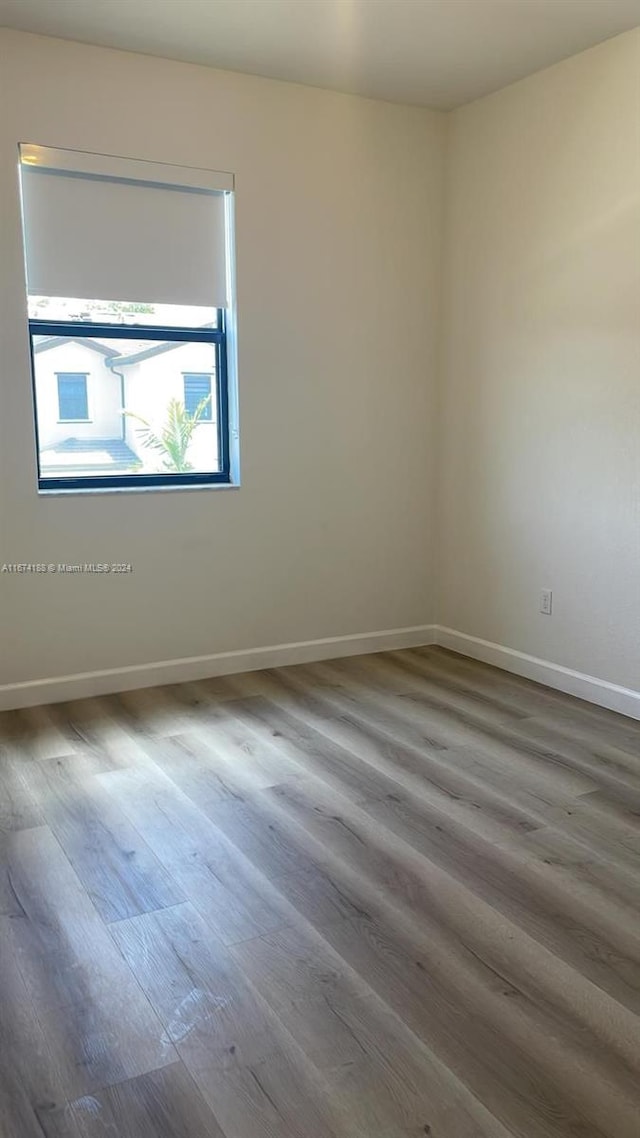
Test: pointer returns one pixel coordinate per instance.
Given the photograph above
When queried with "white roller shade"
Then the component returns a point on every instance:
(111, 229)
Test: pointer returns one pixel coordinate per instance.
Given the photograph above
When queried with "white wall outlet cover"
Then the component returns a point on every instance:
(546, 602)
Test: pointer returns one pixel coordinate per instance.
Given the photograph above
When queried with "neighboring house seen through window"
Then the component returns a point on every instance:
(73, 405)
(131, 379)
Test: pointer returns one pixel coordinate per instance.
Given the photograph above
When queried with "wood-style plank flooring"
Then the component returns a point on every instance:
(384, 897)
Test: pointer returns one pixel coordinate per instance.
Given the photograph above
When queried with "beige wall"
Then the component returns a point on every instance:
(540, 441)
(338, 239)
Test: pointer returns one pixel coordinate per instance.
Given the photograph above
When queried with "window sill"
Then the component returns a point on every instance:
(101, 490)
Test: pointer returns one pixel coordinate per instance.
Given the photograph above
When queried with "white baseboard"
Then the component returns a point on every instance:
(56, 688)
(601, 692)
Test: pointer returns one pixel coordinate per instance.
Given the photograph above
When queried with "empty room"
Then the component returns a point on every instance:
(319, 568)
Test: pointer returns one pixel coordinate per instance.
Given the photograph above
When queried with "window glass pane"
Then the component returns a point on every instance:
(135, 393)
(120, 312)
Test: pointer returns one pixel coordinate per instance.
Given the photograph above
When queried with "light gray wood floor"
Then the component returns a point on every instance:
(383, 897)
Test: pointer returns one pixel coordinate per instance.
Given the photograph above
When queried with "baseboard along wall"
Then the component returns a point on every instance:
(57, 688)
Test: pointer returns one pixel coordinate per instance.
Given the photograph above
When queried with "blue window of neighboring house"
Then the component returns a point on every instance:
(73, 405)
(197, 386)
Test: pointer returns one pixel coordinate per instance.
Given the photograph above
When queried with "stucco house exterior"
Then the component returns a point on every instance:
(88, 390)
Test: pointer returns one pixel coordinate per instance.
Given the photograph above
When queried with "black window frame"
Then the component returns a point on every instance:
(66, 375)
(207, 415)
(84, 329)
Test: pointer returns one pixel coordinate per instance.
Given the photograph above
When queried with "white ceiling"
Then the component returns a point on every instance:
(437, 53)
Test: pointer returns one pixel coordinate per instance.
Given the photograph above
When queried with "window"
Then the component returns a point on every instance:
(73, 406)
(128, 276)
(197, 395)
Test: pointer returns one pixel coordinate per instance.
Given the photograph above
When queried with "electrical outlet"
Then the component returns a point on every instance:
(546, 602)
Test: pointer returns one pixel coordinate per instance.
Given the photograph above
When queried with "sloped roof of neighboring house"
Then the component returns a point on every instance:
(56, 341)
(147, 353)
(112, 354)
